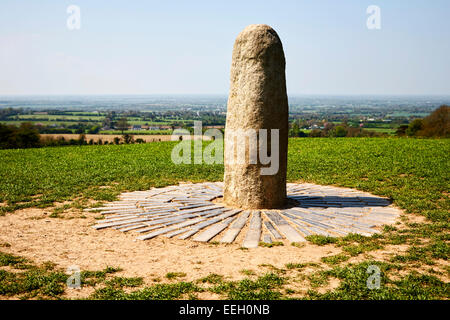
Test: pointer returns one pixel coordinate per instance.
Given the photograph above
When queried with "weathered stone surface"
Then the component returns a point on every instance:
(257, 100)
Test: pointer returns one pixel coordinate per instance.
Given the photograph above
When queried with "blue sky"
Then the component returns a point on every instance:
(184, 47)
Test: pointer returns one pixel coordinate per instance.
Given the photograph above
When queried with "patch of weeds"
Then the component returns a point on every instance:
(211, 278)
(355, 278)
(273, 268)
(34, 282)
(289, 291)
(248, 272)
(318, 279)
(7, 259)
(56, 213)
(291, 266)
(99, 194)
(355, 250)
(48, 266)
(321, 240)
(121, 282)
(192, 296)
(174, 275)
(397, 238)
(389, 228)
(421, 254)
(336, 259)
(439, 250)
(272, 244)
(265, 287)
(155, 292)
(298, 244)
(92, 278)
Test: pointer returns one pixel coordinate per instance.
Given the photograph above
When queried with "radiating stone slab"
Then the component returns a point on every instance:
(254, 231)
(285, 228)
(210, 233)
(272, 230)
(267, 238)
(236, 228)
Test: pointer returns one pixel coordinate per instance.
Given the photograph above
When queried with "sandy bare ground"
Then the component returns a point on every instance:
(69, 242)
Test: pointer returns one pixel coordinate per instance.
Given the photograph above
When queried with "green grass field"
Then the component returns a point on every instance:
(414, 173)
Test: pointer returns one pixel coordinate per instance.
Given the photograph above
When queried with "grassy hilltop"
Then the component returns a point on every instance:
(414, 173)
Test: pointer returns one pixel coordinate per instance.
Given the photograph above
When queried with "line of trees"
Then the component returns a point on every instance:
(24, 136)
(333, 130)
(27, 136)
(437, 124)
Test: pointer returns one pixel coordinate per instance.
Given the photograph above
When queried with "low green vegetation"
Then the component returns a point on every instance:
(174, 275)
(25, 280)
(354, 278)
(272, 244)
(413, 173)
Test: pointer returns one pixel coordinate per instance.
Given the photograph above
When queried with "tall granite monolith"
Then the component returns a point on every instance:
(257, 108)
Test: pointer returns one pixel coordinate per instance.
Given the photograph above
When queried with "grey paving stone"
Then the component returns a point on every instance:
(272, 230)
(254, 231)
(235, 228)
(267, 238)
(211, 232)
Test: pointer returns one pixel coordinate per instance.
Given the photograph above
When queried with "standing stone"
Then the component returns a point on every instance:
(257, 100)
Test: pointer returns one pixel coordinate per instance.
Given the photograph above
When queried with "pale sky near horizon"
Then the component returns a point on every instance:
(184, 47)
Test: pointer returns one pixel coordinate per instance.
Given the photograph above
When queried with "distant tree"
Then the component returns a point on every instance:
(401, 130)
(315, 133)
(302, 134)
(437, 124)
(354, 132)
(415, 126)
(82, 139)
(339, 131)
(294, 131)
(128, 138)
(6, 136)
(122, 124)
(24, 136)
(94, 130)
(27, 136)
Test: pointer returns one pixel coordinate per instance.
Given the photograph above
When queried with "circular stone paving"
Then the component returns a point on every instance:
(194, 211)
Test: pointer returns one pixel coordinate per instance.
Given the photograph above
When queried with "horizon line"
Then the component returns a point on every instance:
(223, 94)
